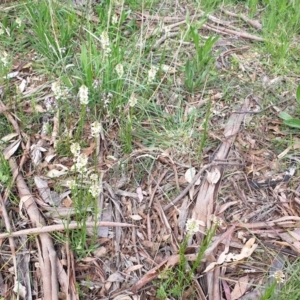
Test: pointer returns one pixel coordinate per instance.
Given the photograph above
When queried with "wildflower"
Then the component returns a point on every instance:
(96, 128)
(94, 177)
(18, 22)
(96, 83)
(95, 190)
(167, 30)
(279, 276)
(75, 149)
(104, 39)
(120, 70)
(4, 58)
(152, 73)
(132, 100)
(62, 50)
(192, 226)
(72, 184)
(81, 162)
(83, 95)
(114, 20)
(216, 220)
(50, 103)
(107, 98)
(59, 91)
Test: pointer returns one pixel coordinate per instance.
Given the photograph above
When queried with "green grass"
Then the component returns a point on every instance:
(176, 281)
(130, 93)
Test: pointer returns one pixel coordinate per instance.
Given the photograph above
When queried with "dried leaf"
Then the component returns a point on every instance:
(133, 268)
(49, 157)
(100, 252)
(9, 137)
(115, 277)
(11, 149)
(36, 153)
(22, 86)
(57, 173)
(168, 69)
(139, 192)
(190, 174)
(213, 176)
(50, 197)
(292, 238)
(122, 297)
(246, 251)
(11, 75)
(240, 288)
(136, 217)
(20, 289)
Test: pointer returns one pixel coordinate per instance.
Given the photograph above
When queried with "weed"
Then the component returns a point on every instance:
(287, 118)
(197, 69)
(5, 174)
(175, 282)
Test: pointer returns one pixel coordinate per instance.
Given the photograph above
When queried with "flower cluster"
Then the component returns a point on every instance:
(120, 70)
(59, 91)
(80, 163)
(51, 104)
(106, 97)
(83, 95)
(95, 187)
(18, 22)
(4, 58)
(114, 19)
(80, 160)
(72, 184)
(132, 100)
(192, 226)
(152, 73)
(279, 276)
(75, 149)
(80, 166)
(216, 220)
(3, 29)
(96, 128)
(105, 44)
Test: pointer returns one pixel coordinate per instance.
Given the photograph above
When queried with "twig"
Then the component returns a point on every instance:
(242, 34)
(11, 240)
(163, 38)
(197, 176)
(150, 204)
(249, 21)
(262, 110)
(60, 227)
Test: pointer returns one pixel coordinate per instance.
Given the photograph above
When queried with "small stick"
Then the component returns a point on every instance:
(251, 22)
(60, 227)
(150, 204)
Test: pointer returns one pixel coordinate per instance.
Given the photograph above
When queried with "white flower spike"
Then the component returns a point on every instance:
(83, 95)
(96, 128)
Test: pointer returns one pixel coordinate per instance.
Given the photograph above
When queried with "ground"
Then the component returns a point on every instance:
(149, 149)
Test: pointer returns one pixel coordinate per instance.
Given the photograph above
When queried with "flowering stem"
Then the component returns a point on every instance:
(204, 245)
(81, 122)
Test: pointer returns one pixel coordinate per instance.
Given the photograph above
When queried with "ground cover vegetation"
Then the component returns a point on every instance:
(149, 149)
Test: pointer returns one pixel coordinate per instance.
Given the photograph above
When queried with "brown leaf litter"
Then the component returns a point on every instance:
(140, 230)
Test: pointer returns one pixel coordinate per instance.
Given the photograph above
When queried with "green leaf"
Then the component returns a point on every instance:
(285, 116)
(298, 94)
(293, 123)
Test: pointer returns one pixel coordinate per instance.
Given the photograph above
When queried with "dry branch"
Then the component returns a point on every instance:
(60, 227)
(47, 257)
(255, 23)
(207, 195)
